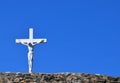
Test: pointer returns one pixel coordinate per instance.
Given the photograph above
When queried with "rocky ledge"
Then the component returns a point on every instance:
(56, 78)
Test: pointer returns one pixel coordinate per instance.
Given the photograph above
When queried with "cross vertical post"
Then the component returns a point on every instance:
(31, 33)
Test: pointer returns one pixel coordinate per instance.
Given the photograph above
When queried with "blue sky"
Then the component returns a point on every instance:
(83, 35)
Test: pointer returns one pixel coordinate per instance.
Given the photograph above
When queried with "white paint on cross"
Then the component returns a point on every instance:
(30, 43)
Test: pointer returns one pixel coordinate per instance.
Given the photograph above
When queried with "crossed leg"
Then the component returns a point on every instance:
(30, 61)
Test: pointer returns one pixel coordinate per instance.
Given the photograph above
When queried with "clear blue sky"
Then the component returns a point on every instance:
(83, 35)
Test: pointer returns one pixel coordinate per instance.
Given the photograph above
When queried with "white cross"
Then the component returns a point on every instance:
(30, 44)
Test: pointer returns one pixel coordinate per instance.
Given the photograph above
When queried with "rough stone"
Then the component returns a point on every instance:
(56, 78)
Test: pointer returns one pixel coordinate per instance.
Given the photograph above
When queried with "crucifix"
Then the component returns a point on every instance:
(30, 43)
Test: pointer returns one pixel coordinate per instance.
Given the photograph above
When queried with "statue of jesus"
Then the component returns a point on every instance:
(30, 43)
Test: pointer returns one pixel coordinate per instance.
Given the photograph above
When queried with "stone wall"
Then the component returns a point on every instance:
(56, 78)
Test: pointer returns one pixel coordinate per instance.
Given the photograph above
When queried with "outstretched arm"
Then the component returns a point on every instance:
(22, 41)
(37, 41)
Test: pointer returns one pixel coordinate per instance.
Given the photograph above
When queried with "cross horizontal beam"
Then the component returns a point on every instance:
(32, 41)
